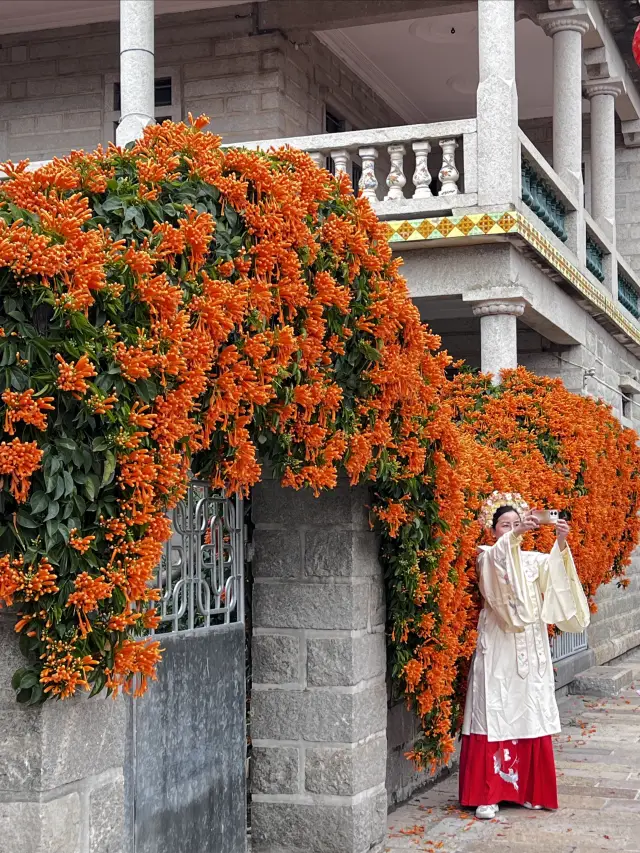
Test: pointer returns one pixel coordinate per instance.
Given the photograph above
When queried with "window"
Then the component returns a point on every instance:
(629, 392)
(333, 124)
(166, 99)
(162, 93)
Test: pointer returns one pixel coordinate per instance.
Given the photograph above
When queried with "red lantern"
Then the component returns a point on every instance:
(635, 46)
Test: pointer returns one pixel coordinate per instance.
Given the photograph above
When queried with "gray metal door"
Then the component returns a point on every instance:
(187, 746)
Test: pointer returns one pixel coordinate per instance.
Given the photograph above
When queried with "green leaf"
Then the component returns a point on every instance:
(100, 443)
(59, 487)
(39, 501)
(69, 486)
(29, 679)
(109, 468)
(91, 487)
(25, 520)
(54, 508)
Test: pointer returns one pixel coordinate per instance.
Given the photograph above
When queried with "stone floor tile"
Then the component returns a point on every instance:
(598, 782)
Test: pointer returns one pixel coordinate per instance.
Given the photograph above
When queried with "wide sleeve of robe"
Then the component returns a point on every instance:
(564, 602)
(504, 585)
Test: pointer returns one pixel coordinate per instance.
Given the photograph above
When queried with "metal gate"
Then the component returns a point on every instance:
(187, 748)
(565, 645)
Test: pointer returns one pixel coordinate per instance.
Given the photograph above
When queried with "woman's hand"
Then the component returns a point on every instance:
(562, 533)
(528, 523)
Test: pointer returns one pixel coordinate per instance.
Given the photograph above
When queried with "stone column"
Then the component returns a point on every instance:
(61, 768)
(498, 335)
(603, 94)
(318, 706)
(497, 104)
(137, 89)
(567, 29)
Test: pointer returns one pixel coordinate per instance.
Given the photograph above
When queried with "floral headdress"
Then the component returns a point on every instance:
(498, 499)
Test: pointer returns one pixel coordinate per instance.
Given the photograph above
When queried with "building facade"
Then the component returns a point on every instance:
(500, 140)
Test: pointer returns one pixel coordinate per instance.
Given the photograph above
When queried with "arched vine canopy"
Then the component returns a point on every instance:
(177, 306)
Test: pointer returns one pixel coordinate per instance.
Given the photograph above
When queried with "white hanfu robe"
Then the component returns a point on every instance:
(511, 692)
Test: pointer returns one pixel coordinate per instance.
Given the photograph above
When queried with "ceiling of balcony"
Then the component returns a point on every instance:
(427, 68)
(17, 16)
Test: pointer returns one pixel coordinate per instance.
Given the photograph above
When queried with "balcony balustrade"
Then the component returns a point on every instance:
(629, 295)
(538, 195)
(414, 170)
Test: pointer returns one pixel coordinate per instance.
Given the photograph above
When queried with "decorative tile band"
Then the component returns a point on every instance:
(510, 222)
(448, 227)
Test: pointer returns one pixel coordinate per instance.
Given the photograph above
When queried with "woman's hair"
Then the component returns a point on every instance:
(502, 510)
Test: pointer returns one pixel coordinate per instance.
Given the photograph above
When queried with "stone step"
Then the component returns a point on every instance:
(602, 681)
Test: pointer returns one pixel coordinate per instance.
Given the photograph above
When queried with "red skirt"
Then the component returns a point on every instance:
(515, 771)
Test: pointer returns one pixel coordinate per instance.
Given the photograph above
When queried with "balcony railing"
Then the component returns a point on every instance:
(539, 196)
(543, 192)
(628, 295)
(414, 170)
(595, 257)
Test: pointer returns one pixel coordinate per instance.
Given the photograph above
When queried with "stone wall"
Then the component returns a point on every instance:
(319, 708)
(628, 204)
(61, 768)
(56, 86)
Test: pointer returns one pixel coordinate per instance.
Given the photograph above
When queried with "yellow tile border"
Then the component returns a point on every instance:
(507, 222)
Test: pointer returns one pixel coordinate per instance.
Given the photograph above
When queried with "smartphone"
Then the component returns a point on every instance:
(546, 516)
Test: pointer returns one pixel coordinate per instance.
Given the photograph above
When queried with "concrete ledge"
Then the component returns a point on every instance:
(602, 681)
(567, 669)
(615, 647)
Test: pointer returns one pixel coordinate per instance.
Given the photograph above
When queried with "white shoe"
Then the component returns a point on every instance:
(534, 808)
(487, 812)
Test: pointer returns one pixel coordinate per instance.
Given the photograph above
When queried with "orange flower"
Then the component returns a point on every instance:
(71, 377)
(22, 407)
(19, 460)
(80, 544)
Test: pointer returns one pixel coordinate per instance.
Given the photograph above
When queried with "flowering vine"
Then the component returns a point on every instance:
(174, 307)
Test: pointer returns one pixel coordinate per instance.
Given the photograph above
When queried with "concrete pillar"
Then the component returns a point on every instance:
(137, 71)
(567, 29)
(497, 104)
(319, 705)
(498, 335)
(61, 768)
(603, 94)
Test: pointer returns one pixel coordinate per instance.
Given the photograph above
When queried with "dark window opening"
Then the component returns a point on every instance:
(333, 124)
(626, 407)
(356, 174)
(162, 93)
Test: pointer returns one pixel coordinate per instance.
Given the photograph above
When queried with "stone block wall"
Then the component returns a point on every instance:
(61, 769)
(56, 86)
(628, 203)
(319, 704)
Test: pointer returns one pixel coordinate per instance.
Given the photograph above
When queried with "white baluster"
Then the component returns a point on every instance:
(396, 179)
(422, 176)
(341, 159)
(368, 180)
(318, 158)
(448, 174)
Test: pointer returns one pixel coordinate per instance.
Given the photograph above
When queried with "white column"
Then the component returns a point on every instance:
(603, 94)
(137, 102)
(567, 29)
(498, 335)
(497, 104)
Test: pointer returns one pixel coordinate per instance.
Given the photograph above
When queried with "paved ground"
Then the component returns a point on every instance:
(598, 766)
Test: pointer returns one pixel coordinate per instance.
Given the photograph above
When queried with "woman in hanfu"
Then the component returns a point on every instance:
(511, 711)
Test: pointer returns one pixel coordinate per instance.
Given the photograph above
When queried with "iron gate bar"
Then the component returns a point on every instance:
(565, 645)
(201, 574)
